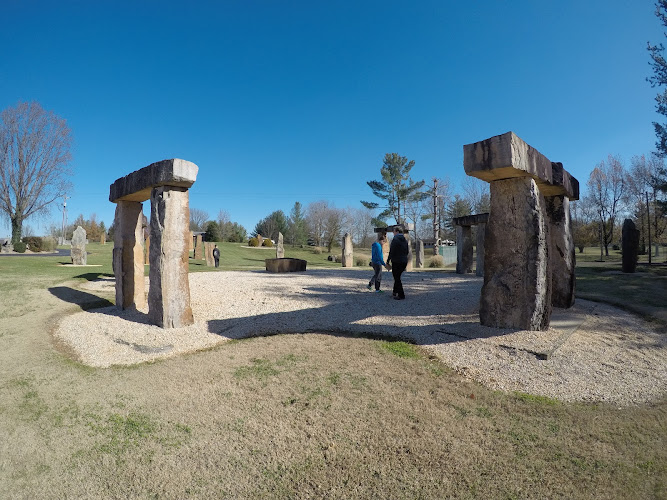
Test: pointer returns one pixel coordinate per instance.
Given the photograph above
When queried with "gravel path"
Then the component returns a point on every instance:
(595, 352)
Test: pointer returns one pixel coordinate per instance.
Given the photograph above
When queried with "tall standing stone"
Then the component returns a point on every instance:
(463, 249)
(199, 247)
(420, 254)
(481, 238)
(410, 252)
(280, 246)
(348, 255)
(128, 256)
(562, 252)
(78, 251)
(208, 253)
(169, 293)
(147, 250)
(517, 281)
(103, 238)
(630, 246)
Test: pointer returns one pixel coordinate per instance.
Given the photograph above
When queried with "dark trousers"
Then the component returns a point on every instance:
(217, 262)
(377, 276)
(397, 269)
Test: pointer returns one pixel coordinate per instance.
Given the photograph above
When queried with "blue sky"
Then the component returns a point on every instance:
(284, 101)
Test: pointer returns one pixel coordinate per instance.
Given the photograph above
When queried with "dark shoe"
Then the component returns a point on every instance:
(396, 297)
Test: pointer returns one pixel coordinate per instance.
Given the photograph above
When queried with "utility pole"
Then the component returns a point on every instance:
(64, 217)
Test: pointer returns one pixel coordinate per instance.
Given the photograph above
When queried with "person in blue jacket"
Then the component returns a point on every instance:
(377, 261)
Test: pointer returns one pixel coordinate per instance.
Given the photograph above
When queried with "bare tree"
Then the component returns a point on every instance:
(34, 162)
(606, 191)
(644, 190)
(359, 222)
(333, 226)
(198, 219)
(316, 219)
(223, 221)
(477, 192)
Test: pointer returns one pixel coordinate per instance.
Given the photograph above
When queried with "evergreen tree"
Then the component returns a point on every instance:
(396, 188)
(298, 230)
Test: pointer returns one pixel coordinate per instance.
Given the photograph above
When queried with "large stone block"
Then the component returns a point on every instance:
(517, 278)
(348, 254)
(630, 246)
(463, 249)
(506, 156)
(481, 238)
(285, 265)
(137, 185)
(128, 255)
(419, 261)
(169, 292)
(562, 253)
(78, 251)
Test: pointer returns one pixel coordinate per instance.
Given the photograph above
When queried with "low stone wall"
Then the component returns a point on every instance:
(285, 265)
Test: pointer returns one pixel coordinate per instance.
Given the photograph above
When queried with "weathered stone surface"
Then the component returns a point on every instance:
(280, 246)
(191, 246)
(78, 251)
(260, 238)
(517, 277)
(348, 254)
(285, 265)
(137, 186)
(420, 254)
(463, 249)
(147, 250)
(630, 246)
(169, 292)
(562, 178)
(471, 220)
(199, 247)
(128, 256)
(208, 253)
(481, 238)
(410, 265)
(506, 156)
(103, 238)
(561, 252)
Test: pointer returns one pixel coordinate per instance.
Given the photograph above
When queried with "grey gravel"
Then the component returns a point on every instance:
(594, 352)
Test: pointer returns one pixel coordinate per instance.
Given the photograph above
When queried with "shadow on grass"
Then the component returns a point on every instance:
(94, 276)
(84, 300)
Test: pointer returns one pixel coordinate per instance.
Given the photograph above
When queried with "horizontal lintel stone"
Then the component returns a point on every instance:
(507, 156)
(137, 185)
(471, 220)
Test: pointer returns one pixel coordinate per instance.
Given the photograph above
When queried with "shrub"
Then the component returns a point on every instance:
(267, 243)
(20, 247)
(34, 243)
(436, 261)
(317, 250)
(361, 261)
(253, 242)
(49, 244)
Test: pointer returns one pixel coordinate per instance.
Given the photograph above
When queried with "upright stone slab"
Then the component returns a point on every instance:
(481, 238)
(463, 249)
(169, 293)
(208, 253)
(410, 265)
(517, 279)
(260, 239)
(348, 254)
(128, 256)
(103, 238)
(166, 183)
(199, 247)
(78, 251)
(630, 246)
(420, 254)
(562, 253)
(191, 246)
(280, 247)
(147, 250)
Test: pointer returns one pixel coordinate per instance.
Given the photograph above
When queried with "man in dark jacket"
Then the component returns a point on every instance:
(398, 260)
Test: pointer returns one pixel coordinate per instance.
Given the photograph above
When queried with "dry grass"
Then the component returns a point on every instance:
(300, 416)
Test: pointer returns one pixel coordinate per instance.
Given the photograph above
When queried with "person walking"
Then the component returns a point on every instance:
(216, 255)
(377, 261)
(397, 261)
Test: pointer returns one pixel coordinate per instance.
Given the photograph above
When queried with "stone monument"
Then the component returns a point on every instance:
(420, 254)
(78, 251)
(208, 253)
(166, 184)
(630, 246)
(348, 254)
(464, 247)
(280, 247)
(518, 250)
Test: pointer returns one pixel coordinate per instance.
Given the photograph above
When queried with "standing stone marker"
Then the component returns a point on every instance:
(103, 238)
(166, 184)
(199, 248)
(280, 247)
(78, 251)
(630, 246)
(521, 248)
(420, 254)
(147, 250)
(348, 255)
(260, 239)
(208, 253)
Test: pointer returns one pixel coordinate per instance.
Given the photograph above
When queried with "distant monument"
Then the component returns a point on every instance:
(78, 251)
(630, 246)
(280, 246)
(348, 255)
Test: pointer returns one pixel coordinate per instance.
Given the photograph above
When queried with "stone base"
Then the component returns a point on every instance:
(285, 265)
